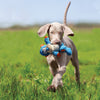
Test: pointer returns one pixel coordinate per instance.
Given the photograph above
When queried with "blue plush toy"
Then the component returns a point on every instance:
(54, 49)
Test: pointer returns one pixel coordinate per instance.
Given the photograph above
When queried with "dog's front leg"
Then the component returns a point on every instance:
(57, 79)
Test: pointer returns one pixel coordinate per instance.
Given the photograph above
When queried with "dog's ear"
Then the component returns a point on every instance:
(43, 30)
(67, 31)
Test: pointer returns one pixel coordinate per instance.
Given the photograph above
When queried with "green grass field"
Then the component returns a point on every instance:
(25, 75)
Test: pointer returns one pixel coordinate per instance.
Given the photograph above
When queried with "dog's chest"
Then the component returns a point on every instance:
(57, 61)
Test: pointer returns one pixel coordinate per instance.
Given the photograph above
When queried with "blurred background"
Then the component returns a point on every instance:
(33, 12)
(24, 73)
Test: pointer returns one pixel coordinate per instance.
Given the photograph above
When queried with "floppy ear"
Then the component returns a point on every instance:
(43, 30)
(67, 31)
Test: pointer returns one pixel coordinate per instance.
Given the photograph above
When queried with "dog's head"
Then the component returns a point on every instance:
(55, 32)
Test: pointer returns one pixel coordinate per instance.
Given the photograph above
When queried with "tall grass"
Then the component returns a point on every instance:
(25, 75)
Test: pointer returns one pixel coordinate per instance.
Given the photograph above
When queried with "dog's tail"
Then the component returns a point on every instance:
(66, 13)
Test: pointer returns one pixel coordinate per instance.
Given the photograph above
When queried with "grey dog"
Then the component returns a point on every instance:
(58, 33)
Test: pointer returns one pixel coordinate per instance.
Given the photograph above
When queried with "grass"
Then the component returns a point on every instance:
(25, 75)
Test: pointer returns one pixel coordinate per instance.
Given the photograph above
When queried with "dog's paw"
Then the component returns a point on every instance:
(51, 88)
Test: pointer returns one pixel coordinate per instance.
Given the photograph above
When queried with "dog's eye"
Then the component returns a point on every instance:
(51, 32)
(59, 32)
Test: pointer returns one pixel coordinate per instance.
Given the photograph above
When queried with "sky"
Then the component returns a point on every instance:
(29, 12)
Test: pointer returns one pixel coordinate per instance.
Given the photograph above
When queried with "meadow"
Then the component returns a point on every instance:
(25, 75)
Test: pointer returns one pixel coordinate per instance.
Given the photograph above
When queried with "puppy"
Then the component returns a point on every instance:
(58, 33)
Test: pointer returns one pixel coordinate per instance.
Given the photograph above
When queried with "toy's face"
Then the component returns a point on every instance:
(55, 33)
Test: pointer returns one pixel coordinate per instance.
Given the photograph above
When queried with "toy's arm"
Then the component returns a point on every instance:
(56, 53)
(68, 51)
(64, 48)
(43, 50)
(47, 41)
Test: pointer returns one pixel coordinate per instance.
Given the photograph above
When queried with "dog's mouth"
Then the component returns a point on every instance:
(57, 43)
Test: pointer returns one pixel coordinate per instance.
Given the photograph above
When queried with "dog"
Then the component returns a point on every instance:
(58, 33)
